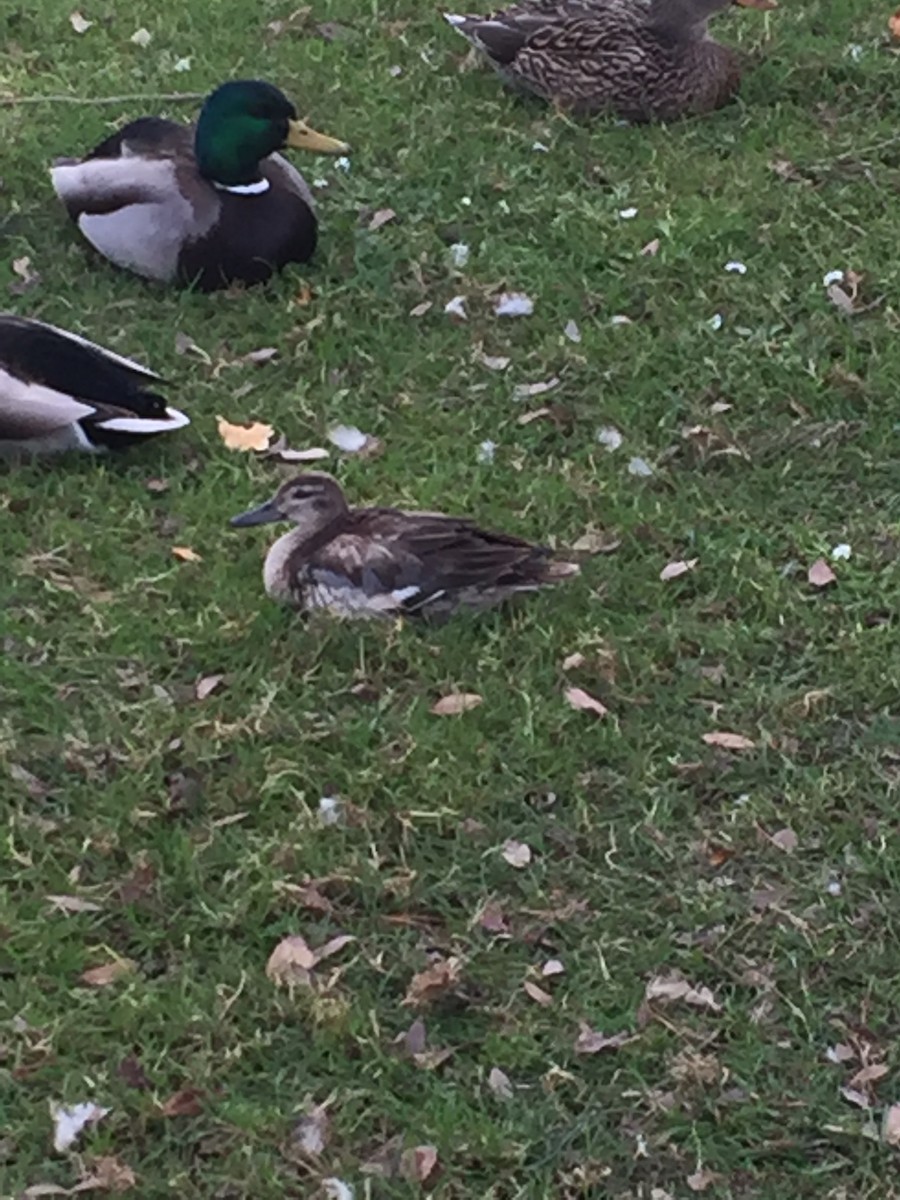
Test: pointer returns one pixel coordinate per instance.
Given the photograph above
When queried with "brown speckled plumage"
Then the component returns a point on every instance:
(643, 60)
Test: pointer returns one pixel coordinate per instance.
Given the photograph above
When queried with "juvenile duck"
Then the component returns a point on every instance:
(207, 205)
(643, 60)
(384, 562)
(60, 392)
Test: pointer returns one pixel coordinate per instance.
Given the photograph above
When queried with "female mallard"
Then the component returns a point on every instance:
(60, 392)
(209, 205)
(643, 60)
(384, 562)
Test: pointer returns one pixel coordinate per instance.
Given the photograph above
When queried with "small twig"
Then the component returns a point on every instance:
(169, 97)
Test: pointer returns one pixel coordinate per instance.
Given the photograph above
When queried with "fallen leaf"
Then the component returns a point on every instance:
(728, 741)
(184, 344)
(27, 278)
(701, 1178)
(552, 967)
(870, 1074)
(513, 304)
(820, 575)
(840, 1053)
(572, 332)
(186, 1102)
(418, 1164)
(291, 962)
(421, 309)
(68, 1123)
(132, 1074)
(674, 987)
(583, 701)
(491, 918)
(432, 983)
(786, 840)
(639, 467)
(381, 217)
(610, 437)
(595, 541)
(677, 568)
(890, 1129)
(538, 995)
(455, 703)
(852, 1096)
(108, 973)
(841, 300)
(651, 249)
(110, 1175)
(572, 661)
(258, 357)
(186, 554)
(456, 309)
(894, 30)
(592, 1041)
(350, 440)
(141, 37)
(79, 23)
(517, 854)
(157, 486)
(499, 1083)
(525, 391)
(336, 1189)
(245, 437)
(207, 685)
(310, 1134)
(73, 904)
(332, 946)
(493, 362)
(280, 451)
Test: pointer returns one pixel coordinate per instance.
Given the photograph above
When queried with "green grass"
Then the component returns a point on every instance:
(665, 843)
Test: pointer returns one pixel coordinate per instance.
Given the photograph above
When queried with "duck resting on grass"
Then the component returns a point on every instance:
(385, 562)
(208, 205)
(642, 60)
(60, 392)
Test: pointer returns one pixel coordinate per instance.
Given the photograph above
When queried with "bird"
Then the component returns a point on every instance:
(59, 392)
(206, 205)
(640, 60)
(388, 562)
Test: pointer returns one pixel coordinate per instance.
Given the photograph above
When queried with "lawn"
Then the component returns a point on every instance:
(731, 914)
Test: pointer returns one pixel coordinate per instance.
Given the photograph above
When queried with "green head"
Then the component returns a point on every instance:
(245, 121)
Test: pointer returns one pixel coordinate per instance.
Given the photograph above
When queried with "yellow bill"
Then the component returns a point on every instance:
(302, 137)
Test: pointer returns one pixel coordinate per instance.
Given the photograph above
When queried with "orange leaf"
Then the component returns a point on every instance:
(186, 554)
(245, 437)
(894, 27)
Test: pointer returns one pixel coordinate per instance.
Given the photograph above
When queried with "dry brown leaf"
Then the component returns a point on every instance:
(108, 973)
(73, 904)
(595, 541)
(186, 554)
(572, 661)
(579, 699)
(491, 918)
(786, 840)
(500, 1085)
(840, 1053)
(820, 575)
(841, 300)
(310, 1134)
(867, 1075)
(651, 249)
(673, 987)
(674, 570)
(291, 962)
(592, 1041)
(702, 1178)
(110, 1175)
(894, 30)
(132, 1074)
(186, 1102)
(516, 853)
(538, 995)
(552, 967)
(852, 1096)
(333, 946)
(207, 685)
(455, 703)
(381, 217)
(245, 437)
(432, 983)
(421, 309)
(890, 1129)
(418, 1164)
(728, 741)
(258, 357)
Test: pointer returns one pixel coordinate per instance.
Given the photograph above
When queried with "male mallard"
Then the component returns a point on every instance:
(212, 204)
(643, 60)
(384, 562)
(60, 392)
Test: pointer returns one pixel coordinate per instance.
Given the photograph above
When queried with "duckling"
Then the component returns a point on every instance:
(386, 562)
(60, 392)
(643, 60)
(210, 205)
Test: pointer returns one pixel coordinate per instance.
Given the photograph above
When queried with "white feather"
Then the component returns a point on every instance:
(454, 19)
(244, 189)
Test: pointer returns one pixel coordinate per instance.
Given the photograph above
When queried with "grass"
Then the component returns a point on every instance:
(193, 825)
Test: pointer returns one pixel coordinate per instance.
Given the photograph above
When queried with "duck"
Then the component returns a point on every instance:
(208, 205)
(60, 392)
(640, 60)
(389, 562)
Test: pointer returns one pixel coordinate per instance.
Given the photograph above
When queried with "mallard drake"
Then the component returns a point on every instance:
(60, 392)
(642, 60)
(207, 205)
(385, 562)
